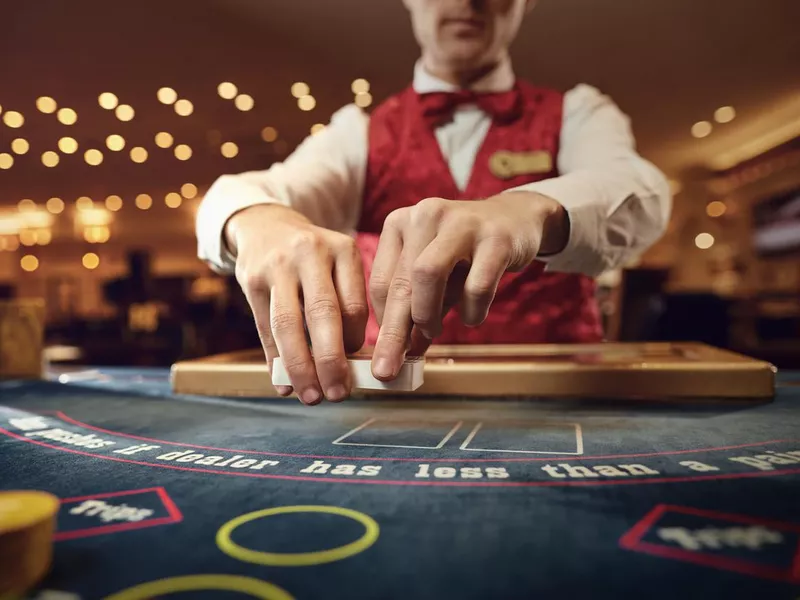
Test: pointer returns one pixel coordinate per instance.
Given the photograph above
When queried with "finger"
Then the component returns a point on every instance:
(395, 331)
(348, 277)
(256, 290)
(419, 344)
(453, 291)
(489, 263)
(390, 246)
(432, 271)
(324, 323)
(286, 323)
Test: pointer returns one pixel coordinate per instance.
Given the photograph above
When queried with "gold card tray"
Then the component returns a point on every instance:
(609, 370)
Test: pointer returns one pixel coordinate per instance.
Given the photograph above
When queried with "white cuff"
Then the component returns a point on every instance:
(584, 251)
(228, 195)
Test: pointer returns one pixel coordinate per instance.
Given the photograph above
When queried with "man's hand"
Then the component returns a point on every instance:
(290, 269)
(442, 253)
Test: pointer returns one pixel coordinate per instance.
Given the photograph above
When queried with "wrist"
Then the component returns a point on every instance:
(544, 215)
(257, 216)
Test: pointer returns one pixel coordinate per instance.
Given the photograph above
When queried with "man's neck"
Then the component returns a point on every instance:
(463, 78)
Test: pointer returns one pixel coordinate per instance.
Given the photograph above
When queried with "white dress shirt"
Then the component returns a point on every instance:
(618, 203)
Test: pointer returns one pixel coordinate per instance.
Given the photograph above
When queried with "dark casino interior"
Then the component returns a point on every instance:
(116, 117)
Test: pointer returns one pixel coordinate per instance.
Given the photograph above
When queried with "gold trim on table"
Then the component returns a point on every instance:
(614, 370)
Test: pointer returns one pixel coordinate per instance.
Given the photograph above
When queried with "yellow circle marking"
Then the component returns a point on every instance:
(189, 583)
(298, 559)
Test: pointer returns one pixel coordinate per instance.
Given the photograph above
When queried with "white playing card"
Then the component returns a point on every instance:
(409, 379)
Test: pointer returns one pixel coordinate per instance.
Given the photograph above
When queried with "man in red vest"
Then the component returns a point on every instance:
(473, 207)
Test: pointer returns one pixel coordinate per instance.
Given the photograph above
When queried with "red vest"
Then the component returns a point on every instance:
(406, 165)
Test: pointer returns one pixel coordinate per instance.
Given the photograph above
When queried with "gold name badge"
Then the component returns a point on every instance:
(505, 164)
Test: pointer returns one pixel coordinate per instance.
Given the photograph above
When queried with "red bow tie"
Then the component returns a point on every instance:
(438, 107)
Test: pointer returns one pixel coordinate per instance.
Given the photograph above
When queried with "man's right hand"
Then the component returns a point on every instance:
(289, 269)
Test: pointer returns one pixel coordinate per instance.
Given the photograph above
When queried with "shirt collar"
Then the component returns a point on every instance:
(501, 79)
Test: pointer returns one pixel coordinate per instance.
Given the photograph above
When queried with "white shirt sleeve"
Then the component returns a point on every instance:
(323, 179)
(618, 203)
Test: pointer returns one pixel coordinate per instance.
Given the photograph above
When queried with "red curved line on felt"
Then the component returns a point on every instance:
(68, 419)
(418, 483)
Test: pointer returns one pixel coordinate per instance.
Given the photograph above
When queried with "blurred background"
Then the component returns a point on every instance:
(115, 117)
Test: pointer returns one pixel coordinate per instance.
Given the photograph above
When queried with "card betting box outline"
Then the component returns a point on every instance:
(578, 441)
(364, 428)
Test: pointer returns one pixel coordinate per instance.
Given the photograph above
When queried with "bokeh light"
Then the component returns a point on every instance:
(68, 145)
(183, 152)
(46, 105)
(107, 100)
(125, 112)
(138, 154)
(166, 95)
(115, 142)
(90, 260)
(113, 203)
(29, 263)
(704, 241)
(229, 149)
(20, 146)
(300, 89)
(173, 200)
(143, 202)
(93, 157)
(306, 103)
(13, 119)
(269, 134)
(360, 86)
(716, 209)
(84, 203)
(244, 102)
(189, 190)
(55, 206)
(50, 159)
(67, 116)
(363, 99)
(164, 139)
(184, 108)
(227, 90)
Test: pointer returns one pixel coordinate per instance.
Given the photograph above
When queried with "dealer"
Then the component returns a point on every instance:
(474, 207)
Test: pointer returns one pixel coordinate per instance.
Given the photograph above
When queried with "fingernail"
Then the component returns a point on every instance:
(336, 393)
(310, 396)
(383, 368)
(284, 390)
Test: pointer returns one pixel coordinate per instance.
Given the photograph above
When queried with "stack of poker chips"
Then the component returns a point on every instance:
(27, 524)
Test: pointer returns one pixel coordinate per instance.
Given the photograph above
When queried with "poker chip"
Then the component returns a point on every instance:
(27, 523)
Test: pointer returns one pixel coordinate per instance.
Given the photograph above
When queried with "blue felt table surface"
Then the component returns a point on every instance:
(473, 499)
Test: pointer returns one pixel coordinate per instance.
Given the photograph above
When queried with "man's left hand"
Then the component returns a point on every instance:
(439, 254)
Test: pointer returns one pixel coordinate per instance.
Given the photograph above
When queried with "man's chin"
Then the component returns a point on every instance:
(464, 55)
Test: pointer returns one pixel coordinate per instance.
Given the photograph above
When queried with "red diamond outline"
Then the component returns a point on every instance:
(175, 515)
